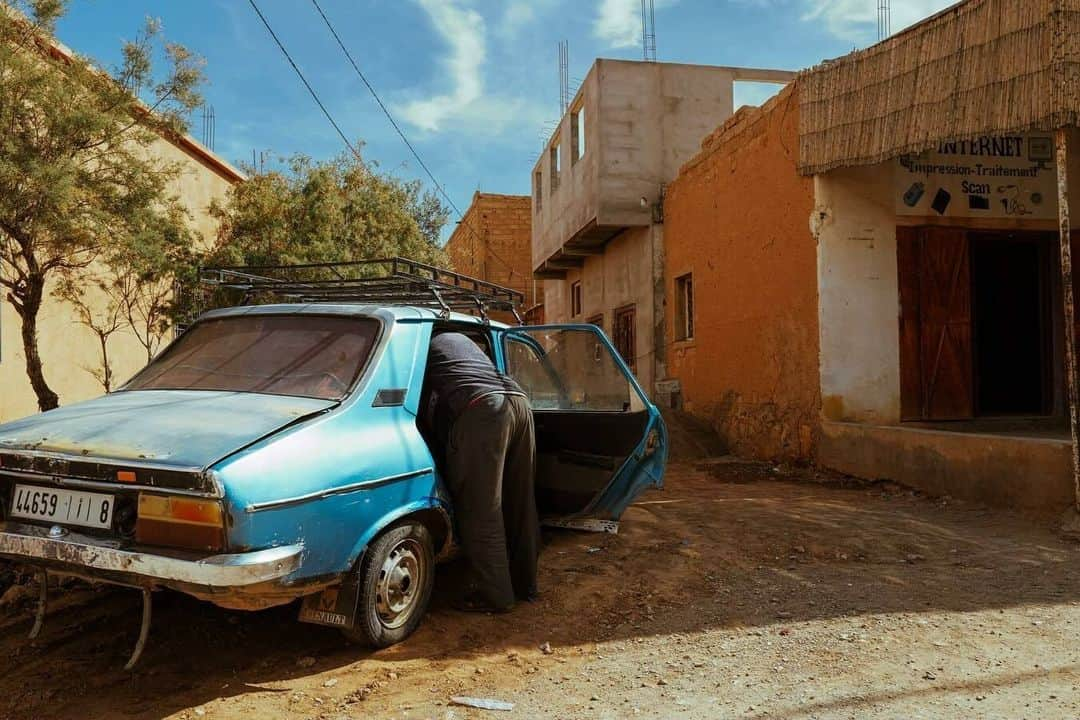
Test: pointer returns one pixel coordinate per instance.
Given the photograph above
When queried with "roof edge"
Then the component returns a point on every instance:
(182, 141)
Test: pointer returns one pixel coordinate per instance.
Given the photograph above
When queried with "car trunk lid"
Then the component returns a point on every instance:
(168, 437)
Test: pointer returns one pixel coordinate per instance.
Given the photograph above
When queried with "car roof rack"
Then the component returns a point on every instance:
(383, 281)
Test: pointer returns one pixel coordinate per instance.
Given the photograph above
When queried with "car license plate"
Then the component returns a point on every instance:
(66, 507)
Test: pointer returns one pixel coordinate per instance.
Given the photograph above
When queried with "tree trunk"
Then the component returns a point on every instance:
(106, 369)
(28, 313)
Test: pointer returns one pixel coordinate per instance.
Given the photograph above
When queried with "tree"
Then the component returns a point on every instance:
(104, 321)
(339, 210)
(132, 288)
(79, 184)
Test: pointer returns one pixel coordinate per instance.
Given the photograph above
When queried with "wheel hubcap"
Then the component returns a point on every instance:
(400, 580)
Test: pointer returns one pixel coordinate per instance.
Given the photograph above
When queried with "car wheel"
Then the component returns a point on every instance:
(395, 580)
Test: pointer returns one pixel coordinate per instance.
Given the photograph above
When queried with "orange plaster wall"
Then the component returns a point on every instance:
(737, 217)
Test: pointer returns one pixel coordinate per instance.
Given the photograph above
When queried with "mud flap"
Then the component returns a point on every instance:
(335, 606)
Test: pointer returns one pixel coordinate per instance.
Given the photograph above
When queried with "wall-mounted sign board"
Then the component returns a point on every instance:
(1009, 176)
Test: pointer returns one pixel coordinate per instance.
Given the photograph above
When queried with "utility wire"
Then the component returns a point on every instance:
(401, 133)
(382, 105)
(314, 95)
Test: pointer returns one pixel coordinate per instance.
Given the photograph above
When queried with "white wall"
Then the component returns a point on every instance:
(855, 227)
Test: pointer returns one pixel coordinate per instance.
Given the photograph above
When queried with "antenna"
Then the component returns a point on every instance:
(884, 19)
(564, 76)
(648, 30)
(209, 126)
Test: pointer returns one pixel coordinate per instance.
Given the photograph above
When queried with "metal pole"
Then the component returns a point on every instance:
(1061, 143)
(144, 630)
(43, 603)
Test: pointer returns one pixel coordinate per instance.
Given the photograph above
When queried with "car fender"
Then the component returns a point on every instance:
(438, 504)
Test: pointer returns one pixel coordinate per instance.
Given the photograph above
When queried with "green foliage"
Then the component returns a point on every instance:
(81, 193)
(339, 210)
(334, 211)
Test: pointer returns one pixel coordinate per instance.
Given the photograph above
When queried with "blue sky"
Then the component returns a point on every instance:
(472, 82)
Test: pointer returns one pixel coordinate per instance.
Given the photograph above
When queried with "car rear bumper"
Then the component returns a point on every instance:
(96, 557)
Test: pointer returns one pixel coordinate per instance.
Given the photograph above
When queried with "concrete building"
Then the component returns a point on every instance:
(890, 225)
(597, 201)
(493, 242)
(69, 350)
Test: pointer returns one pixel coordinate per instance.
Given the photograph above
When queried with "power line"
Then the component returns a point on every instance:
(314, 95)
(401, 133)
(382, 106)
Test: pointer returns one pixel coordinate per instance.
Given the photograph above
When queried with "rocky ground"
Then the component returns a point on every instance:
(742, 590)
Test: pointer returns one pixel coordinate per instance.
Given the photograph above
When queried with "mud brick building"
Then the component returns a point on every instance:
(872, 270)
(492, 242)
(741, 285)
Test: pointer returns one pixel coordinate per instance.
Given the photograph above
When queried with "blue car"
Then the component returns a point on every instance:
(272, 453)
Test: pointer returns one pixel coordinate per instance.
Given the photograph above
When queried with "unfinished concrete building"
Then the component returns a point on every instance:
(597, 200)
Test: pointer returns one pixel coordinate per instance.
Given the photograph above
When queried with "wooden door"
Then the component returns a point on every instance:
(908, 253)
(945, 304)
(624, 335)
(936, 358)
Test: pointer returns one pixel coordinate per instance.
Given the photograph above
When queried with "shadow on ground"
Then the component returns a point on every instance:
(725, 545)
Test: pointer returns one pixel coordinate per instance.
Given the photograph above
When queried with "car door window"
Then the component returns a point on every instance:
(569, 369)
(526, 364)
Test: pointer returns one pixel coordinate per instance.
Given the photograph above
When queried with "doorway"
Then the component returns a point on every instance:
(976, 323)
(1013, 338)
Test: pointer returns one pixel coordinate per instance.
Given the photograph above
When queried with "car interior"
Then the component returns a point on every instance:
(588, 420)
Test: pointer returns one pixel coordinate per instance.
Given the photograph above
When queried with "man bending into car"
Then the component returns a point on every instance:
(482, 422)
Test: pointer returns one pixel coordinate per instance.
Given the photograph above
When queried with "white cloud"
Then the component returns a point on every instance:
(517, 15)
(468, 106)
(464, 32)
(618, 22)
(856, 20)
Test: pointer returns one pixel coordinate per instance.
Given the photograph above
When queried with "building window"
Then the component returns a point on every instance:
(597, 320)
(624, 335)
(684, 307)
(538, 190)
(577, 134)
(575, 299)
(555, 154)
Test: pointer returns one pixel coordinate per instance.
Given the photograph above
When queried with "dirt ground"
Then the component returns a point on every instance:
(741, 590)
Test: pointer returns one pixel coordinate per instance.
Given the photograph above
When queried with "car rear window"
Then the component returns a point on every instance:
(302, 355)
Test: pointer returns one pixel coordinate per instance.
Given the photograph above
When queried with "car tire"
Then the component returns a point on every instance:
(396, 576)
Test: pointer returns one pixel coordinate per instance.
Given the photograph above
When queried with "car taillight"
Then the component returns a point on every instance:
(180, 522)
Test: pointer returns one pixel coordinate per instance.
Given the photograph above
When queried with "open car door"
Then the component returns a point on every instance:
(600, 442)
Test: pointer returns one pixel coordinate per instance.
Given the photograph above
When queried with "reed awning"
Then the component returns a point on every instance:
(981, 67)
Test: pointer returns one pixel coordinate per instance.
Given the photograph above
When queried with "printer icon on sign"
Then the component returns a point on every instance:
(1040, 149)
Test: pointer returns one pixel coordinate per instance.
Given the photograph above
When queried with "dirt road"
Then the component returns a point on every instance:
(739, 591)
